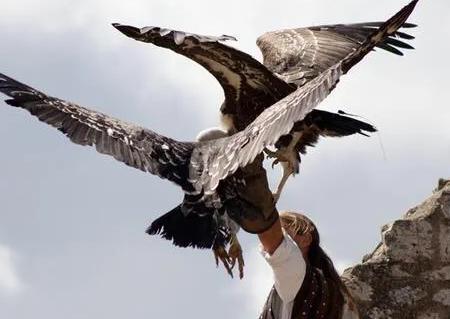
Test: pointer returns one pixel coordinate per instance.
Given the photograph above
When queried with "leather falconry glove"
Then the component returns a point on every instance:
(255, 212)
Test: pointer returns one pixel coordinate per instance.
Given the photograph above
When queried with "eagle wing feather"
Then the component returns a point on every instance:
(298, 55)
(131, 144)
(248, 85)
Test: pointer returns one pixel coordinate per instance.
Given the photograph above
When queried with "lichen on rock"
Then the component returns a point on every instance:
(408, 274)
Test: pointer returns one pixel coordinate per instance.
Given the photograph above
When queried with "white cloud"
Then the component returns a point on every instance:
(9, 280)
(255, 286)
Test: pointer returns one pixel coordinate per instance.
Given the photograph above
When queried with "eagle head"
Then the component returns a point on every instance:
(212, 133)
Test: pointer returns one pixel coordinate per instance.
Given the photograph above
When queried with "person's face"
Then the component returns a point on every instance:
(303, 241)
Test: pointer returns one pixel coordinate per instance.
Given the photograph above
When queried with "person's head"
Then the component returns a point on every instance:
(303, 231)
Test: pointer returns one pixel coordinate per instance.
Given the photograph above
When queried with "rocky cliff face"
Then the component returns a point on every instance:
(408, 274)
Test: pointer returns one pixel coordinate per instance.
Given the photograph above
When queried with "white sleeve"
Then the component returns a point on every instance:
(289, 268)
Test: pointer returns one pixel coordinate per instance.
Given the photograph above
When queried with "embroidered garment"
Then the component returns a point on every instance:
(301, 291)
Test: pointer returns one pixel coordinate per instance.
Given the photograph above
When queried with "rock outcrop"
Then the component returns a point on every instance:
(408, 274)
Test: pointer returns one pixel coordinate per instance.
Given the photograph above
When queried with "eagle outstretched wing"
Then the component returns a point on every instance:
(249, 87)
(299, 55)
(133, 145)
(215, 160)
(291, 58)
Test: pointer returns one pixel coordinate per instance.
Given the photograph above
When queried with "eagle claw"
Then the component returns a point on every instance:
(235, 254)
(230, 258)
(271, 154)
(221, 254)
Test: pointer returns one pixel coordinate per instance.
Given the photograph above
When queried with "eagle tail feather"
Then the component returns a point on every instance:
(340, 125)
(191, 230)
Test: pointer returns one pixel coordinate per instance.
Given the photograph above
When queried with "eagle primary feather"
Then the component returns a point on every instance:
(249, 87)
(299, 55)
(131, 144)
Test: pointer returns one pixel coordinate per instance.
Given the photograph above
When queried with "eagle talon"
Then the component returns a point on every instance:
(235, 254)
(221, 254)
(271, 154)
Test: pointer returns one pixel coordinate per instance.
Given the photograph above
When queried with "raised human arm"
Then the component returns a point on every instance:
(286, 260)
(271, 238)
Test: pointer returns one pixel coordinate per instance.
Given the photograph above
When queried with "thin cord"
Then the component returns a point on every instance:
(381, 145)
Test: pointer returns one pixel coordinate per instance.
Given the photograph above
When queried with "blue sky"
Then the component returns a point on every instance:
(72, 241)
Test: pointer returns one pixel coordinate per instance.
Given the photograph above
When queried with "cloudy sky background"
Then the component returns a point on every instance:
(72, 241)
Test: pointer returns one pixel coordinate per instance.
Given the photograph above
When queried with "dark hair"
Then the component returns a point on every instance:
(317, 257)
